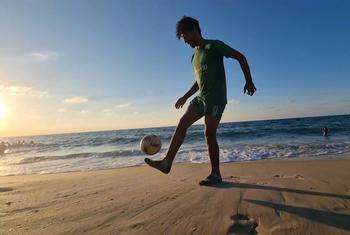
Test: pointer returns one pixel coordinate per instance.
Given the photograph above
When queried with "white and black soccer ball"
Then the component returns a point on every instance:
(150, 144)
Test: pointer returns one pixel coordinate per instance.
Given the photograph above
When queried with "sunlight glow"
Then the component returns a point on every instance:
(3, 110)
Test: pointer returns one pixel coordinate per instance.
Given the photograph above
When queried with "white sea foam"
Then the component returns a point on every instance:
(248, 141)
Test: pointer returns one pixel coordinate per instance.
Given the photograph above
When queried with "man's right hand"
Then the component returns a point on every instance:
(180, 102)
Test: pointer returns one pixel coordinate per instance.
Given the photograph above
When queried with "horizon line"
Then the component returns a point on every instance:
(154, 127)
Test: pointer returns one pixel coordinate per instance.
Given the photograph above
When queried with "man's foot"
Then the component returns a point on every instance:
(161, 165)
(211, 180)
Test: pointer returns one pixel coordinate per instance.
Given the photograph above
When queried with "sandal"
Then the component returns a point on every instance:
(211, 180)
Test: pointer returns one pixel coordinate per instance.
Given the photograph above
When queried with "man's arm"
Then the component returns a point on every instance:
(193, 90)
(249, 86)
(181, 101)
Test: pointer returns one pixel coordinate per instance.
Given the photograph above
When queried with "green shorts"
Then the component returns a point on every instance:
(215, 110)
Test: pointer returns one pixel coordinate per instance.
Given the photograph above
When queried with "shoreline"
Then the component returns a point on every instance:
(320, 157)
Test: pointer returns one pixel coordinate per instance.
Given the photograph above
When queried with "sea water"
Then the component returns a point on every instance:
(238, 141)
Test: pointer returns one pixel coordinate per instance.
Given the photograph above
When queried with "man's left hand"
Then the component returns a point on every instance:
(249, 88)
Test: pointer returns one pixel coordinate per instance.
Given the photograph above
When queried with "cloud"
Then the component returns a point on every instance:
(233, 101)
(84, 111)
(76, 100)
(44, 56)
(61, 110)
(39, 94)
(38, 57)
(16, 90)
(24, 90)
(120, 106)
(107, 110)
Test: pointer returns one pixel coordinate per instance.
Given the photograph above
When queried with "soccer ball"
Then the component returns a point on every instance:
(150, 144)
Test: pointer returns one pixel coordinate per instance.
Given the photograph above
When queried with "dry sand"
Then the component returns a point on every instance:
(278, 197)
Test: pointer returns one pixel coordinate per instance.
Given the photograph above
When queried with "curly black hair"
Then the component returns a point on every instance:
(186, 24)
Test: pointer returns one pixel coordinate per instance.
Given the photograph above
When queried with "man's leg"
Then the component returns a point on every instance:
(211, 125)
(191, 116)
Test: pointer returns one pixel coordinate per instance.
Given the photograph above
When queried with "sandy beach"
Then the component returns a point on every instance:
(267, 197)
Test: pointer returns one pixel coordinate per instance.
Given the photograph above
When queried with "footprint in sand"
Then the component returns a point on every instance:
(240, 179)
(137, 225)
(242, 225)
(299, 177)
(340, 209)
(261, 183)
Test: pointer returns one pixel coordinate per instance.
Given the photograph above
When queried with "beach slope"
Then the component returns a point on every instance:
(270, 197)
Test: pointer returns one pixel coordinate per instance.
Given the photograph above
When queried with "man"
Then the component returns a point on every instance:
(208, 67)
(325, 131)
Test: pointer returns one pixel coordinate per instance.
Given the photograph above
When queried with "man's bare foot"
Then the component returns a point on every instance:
(161, 165)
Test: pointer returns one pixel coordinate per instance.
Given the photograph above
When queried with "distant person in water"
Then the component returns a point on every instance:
(3, 148)
(325, 131)
(209, 71)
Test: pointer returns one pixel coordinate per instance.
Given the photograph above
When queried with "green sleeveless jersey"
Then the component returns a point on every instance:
(208, 67)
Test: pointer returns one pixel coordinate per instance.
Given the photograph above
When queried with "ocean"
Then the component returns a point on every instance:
(238, 141)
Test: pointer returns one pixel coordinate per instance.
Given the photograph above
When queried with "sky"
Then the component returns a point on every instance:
(71, 66)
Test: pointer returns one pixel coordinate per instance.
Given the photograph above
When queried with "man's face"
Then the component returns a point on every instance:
(189, 38)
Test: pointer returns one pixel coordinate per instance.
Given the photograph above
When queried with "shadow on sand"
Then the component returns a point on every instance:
(340, 221)
(5, 189)
(227, 184)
